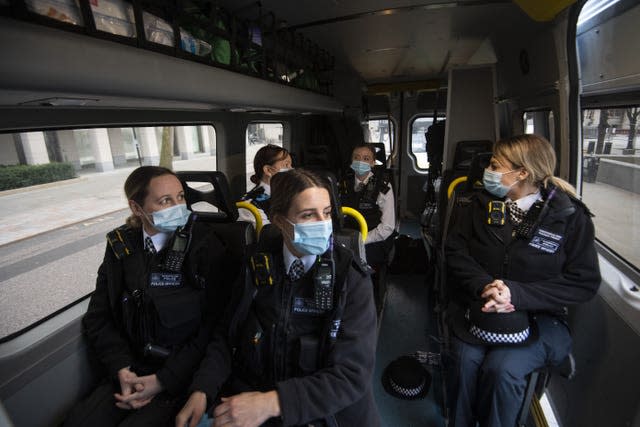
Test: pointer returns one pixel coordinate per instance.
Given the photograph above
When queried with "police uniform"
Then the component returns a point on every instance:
(137, 303)
(373, 198)
(259, 196)
(320, 362)
(546, 267)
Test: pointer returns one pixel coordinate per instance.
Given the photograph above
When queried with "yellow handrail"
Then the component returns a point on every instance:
(359, 218)
(453, 185)
(254, 211)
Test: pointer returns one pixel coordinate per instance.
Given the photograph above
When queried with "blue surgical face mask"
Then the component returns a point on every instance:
(311, 238)
(492, 182)
(360, 168)
(169, 219)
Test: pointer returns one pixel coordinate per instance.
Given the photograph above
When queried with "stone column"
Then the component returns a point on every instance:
(148, 143)
(206, 139)
(35, 149)
(67, 140)
(213, 139)
(101, 151)
(8, 153)
(117, 147)
(183, 138)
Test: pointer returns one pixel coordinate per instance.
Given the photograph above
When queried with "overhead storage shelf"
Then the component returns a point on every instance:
(196, 30)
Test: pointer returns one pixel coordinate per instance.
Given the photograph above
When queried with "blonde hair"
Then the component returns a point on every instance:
(536, 155)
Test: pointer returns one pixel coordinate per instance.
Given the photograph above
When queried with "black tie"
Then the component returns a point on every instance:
(516, 215)
(296, 270)
(149, 246)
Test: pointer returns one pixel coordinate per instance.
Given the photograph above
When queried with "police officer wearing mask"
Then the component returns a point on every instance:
(369, 191)
(156, 302)
(268, 161)
(301, 342)
(518, 254)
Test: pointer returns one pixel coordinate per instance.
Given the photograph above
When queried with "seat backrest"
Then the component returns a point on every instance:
(210, 190)
(207, 195)
(465, 150)
(380, 150)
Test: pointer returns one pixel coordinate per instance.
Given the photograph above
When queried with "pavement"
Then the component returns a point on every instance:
(29, 211)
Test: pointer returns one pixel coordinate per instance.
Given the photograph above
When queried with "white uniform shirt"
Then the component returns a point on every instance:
(159, 239)
(386, 203)
(307, 260)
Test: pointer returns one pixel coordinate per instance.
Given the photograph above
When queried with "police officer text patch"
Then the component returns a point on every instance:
(305, 306)
(163, 280)
(546, 241)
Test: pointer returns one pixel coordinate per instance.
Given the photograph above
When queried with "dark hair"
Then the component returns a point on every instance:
(285, 186)
(367, 146)
(267, 155)
(136, 187)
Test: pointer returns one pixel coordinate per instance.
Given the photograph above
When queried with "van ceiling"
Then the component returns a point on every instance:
(401, 40)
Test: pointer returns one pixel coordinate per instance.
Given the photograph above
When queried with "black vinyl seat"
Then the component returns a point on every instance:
(208, 196)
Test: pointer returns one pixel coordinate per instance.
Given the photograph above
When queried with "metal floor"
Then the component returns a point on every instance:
(407, 326)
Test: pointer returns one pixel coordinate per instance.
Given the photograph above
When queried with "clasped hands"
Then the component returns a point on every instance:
(135, 391)
(249, 409)
(497, 298)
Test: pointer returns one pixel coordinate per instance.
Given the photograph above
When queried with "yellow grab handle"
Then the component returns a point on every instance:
(254, 211)
(453, 184)
(358, 217)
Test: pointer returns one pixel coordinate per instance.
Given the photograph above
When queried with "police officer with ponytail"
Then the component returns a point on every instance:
(301, 339)
(268, 161)
(157, 298)
(519, 253)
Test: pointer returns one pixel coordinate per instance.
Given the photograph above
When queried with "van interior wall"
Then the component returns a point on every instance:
(470, 108)
(606, 346)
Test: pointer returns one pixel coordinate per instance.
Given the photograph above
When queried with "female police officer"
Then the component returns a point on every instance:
(513, 272)
(268, 161)
(303, 333)
(152, 313)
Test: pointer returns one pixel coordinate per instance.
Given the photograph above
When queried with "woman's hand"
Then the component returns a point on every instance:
(247, 409)
(498, 298)
(127, 381)
(145, 388)
(193, 410)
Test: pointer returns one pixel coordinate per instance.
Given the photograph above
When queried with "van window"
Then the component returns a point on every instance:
(380, 130)
(611, 177)
(257, 136)
(540, 123)
(61, 192)
(419, 128)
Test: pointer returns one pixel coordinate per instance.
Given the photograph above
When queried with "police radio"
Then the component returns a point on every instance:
(179, 246)
(496, 214)
(323, 284)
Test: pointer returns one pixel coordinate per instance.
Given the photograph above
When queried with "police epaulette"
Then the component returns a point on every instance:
(580, 203)
(360, 266)
(253, 193)
(118, 241)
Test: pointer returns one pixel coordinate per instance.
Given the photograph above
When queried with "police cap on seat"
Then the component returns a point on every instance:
(405, 378)
(477, 327)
